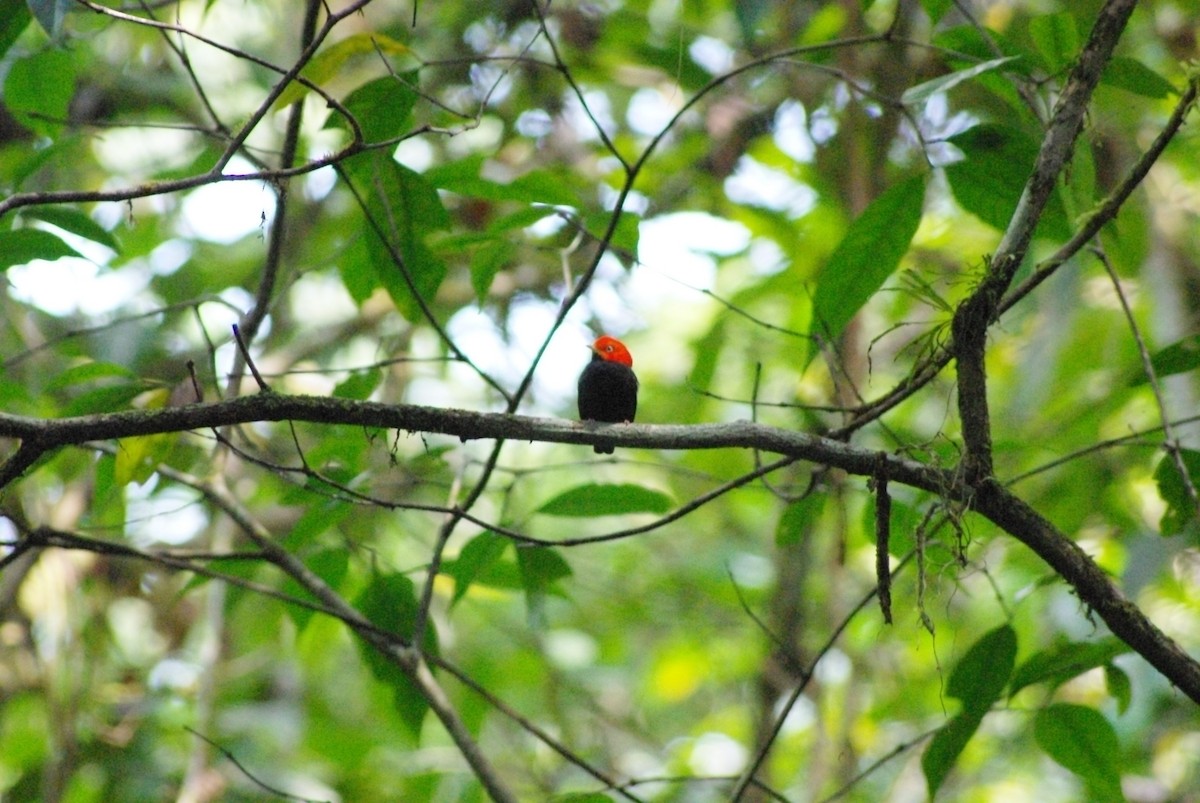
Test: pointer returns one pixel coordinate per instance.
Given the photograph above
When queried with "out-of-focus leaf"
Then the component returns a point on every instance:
(390, 602)
(107, 399)
(20, 246)
(977, 681)
(936, 9)
(1064, 661)
(89, 371)
(966, 45)
(1119, 686)
(463, 177)
(606, 500)
(1083, 741)
(318, 518)
(946, 746)
(1056, 39)
(1134, 76)
(520, 219)
(331, 61)
(989, 181)
(74, 221)
(406, 208)
(383, 107)
(108, 498)
(14, 18)
(541, 567)
(918, 94)
(796, 517)
(38, 90)
(1180, 509)
(1179, 357)
(983, 672)
(868, 254)
(479, 554)
(359, 385)
(486, 261)
(138, 457)
(625, 235)
(328, 564)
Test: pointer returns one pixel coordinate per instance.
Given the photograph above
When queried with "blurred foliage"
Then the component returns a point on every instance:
(742, 176)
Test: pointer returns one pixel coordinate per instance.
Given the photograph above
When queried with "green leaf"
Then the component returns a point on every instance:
(1180, 510)
(541, 567)
(463, 177)
(967, 45)
(869, 252)
(1119, 686)
(946, 746)
(390, 603)
(318, 518)
(383, 107)
(108, 498)
(1064, 661)
(486, 261)
(328, 564)
(20, 246)
(1082, 740)
(359, 385)
(936, 9)
(14, 19)
(1179, 357)
(520, 219)
(983, 672)
(1133, 76)
(140, 456)
(23, 741)
(407, 209)
(479, 555)
(1056, 39)
(357, 267)
(89, 371)
(606, 500)
(39, 89)
(74, 221)
(977, 681)
(624, 236)
(990, 179)
(106, 399)
(796, 518)
(918, 94)
(331, 62)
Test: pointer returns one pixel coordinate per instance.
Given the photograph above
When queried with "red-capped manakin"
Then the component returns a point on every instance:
(608, 387)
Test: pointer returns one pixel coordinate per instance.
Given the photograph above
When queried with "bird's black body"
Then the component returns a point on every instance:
(607, 393)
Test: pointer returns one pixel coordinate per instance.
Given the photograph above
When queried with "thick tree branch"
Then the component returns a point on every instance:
(977, 313)
(985, 497)
(1093, 586)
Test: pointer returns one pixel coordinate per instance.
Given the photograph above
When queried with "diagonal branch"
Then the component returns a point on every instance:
(977, 313)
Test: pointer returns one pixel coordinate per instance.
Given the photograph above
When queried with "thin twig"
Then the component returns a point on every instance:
(1171, 443)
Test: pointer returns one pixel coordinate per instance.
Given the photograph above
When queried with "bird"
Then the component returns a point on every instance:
(608, 387)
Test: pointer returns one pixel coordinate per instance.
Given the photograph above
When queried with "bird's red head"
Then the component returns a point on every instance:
(613, 350)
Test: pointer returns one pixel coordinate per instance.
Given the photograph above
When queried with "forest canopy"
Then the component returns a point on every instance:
(294, 501)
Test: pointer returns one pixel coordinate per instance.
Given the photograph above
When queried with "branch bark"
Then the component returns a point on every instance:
(987, 497)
